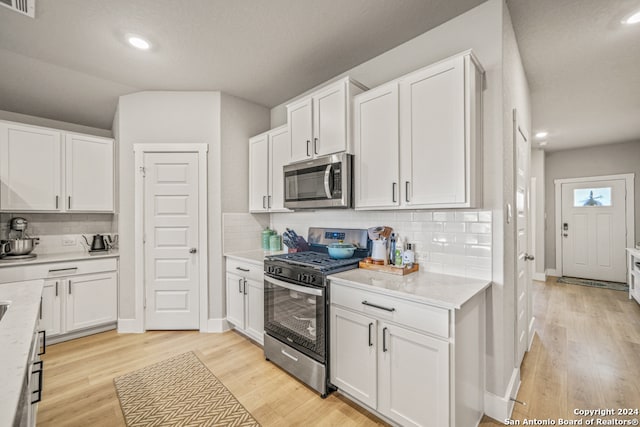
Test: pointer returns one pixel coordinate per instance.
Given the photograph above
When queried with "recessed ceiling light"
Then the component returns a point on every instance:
(541, 134)
(138, 42)
(543, 143)
(633, 19)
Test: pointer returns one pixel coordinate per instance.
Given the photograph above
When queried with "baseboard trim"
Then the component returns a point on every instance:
(500, 407)
(81, 333)
(541, 277)
(217, 326)
(130, 326)
(552, 272)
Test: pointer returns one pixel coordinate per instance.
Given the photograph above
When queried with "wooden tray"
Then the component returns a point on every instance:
(390, 269)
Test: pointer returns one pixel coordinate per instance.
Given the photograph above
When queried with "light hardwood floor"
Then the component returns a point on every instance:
(586, 354)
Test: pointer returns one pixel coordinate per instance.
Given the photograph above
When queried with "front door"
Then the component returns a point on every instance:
(523, 273)
(593, 230)
(170, 240)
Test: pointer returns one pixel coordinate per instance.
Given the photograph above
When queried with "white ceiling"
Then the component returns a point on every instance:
(583, 68)
(71, 63)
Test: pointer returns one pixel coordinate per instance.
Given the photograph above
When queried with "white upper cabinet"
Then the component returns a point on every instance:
(47, 170)
(319, 123)
(258, 173)
(438, 119)
(30, 168)
(89, 173)
(376, 160)
(268, 153)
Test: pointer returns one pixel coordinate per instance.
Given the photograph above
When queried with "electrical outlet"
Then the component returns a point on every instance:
(69, 241)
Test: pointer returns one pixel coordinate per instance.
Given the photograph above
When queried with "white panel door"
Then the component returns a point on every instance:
(30, 175)
(376, 148)
(330, 120)
(50, 312)
(171, 240)
(414, 377)
(89, 173)
(91, 300)
(523, 271)
(594, 230)
(353, 354)
(258, 173)
(279, 155)
(432, 138)
(235, 300)
(254, 309)
(300, 119)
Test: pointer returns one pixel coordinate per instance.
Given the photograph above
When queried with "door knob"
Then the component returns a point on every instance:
(528, 257)
(193, 250)
(565, 235)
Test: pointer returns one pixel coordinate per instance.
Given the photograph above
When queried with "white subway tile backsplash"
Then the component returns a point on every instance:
(453, 242)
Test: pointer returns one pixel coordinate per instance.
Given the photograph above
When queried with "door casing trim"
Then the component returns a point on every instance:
(203, 232)
(629, 209)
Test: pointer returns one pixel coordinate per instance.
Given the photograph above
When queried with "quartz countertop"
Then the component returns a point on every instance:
(253, 256)
(16, 331)
(58, 257)
(442, 290)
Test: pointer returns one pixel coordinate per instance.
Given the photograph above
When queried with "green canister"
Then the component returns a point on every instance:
(275, 243)
(266, 235)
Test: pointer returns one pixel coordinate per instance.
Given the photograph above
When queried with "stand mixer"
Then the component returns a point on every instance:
(22, 245)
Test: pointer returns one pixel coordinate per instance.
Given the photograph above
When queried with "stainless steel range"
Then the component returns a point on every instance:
(296, 304)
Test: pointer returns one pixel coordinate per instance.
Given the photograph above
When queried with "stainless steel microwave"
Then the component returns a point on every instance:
(324, 182)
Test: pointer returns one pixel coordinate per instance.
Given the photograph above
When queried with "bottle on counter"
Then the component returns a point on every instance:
(408, 256)
(398, 254)
(392, 249)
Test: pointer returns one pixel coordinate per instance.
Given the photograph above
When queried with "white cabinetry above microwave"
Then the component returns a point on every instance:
(417, 139)
(319, 124)
(48, 170)
(268, 153)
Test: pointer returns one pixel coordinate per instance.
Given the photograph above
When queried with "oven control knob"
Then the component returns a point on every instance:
(277, 270)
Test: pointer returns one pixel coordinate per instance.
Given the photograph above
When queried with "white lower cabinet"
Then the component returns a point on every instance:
(79, 303)
(245, 298)
(396, 356)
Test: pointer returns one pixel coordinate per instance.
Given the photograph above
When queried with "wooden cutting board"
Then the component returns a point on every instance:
(390, 269)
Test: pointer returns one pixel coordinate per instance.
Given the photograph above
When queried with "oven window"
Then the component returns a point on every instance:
(296, 318)
(306, 184)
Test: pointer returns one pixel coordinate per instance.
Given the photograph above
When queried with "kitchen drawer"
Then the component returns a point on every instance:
(426, 318)
(57, 269)
(246, 269)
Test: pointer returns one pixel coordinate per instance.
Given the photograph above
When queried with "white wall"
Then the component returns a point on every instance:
(537, 171)
(224, 123)
(610, 159)
(480, 29)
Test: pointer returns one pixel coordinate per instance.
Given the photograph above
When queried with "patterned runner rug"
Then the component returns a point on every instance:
(179, 391)
(616, 286)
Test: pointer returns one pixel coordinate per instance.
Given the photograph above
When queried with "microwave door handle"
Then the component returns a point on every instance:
(327, 176)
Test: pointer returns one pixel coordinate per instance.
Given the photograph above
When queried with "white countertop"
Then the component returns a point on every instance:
(633, 251)
(58, 257)
(441, 290)
(16, 331)
(253, 256)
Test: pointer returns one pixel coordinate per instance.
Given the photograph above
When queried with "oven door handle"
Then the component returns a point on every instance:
(291, 286)
(327, 176)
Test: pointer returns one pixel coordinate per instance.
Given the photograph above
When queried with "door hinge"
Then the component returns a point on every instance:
(143, 171)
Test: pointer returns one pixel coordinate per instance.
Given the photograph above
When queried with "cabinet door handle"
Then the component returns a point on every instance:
(58, 270)
(384, 340)
(406, 190)
(69, 287)
(378, 306)
(269, 202)
(56, 288)
(242, 269)
(57, 197)
(264, 202)
(40, 315)
(370, 340)
(244, 285)
(69, 203)
(308, 142)
(44, 342)
(393, 191)
(240, 286)
(315, 145)
(39, 372)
